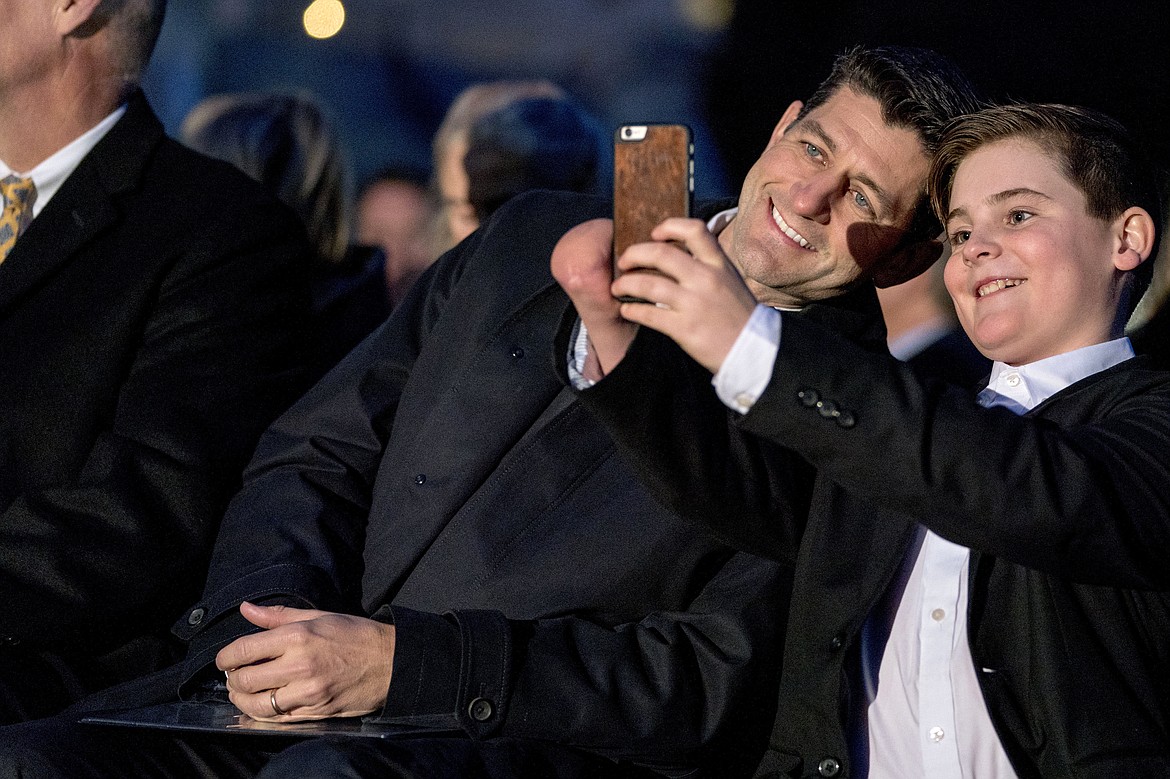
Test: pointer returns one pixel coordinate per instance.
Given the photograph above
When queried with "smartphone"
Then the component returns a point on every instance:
(653, 179)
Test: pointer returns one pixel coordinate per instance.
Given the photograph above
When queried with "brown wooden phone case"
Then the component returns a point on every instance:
(653, 179)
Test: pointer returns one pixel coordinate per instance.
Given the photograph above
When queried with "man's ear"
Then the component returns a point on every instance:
(72, 17)
(906, 262)
(787, 119)
(1135, 238)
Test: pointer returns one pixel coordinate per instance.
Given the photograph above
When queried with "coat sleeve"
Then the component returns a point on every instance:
(682, 442)
(216, 362)
(1077, 488)
(670, 690)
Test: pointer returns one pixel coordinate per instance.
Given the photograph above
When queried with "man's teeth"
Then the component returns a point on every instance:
(997, 285)
(779, 220)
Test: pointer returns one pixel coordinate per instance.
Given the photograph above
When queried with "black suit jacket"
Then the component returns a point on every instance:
(148, 334)
(442, 476)
(1066, 511)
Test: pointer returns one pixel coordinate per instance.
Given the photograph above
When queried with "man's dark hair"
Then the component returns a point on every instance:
(918, 89)
(1095, 152)
(536, 143)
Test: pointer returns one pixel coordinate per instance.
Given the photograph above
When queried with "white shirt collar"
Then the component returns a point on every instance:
(52, 173)
(716, 223)
(1030, 385)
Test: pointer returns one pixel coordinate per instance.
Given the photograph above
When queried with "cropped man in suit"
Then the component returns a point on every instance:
(441, 514)
(148, 305)
(981, 587)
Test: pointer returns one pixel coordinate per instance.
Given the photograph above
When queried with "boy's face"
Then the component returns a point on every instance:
(1032, 274)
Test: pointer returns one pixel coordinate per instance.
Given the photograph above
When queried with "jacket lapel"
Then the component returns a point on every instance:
(84, 206)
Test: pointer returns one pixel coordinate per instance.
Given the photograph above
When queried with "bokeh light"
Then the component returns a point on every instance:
(324, 18)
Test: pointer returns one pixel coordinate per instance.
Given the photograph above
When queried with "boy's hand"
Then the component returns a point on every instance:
(697, 297)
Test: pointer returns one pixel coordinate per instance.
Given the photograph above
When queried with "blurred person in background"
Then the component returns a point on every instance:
(457, 218)
(535, 143)
(288, 144)
(394, 213)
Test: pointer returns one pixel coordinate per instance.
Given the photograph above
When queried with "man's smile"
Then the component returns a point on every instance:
(784, 228)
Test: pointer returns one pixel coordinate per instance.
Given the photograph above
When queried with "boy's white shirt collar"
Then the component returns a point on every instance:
(50, 174)
(1030, 385)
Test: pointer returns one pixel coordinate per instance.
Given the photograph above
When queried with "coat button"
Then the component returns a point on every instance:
(808, 397)
(846, 420)
(827, 409)
(9, 641)
(517, 352)
(195, 617)
(830, 766)
(837, 642)
(420, 479)
(481, 710)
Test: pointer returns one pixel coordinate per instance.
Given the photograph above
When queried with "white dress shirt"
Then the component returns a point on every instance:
(52, 172)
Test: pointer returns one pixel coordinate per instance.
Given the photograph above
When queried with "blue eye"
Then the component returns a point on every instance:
(862, 201)
(812, 151)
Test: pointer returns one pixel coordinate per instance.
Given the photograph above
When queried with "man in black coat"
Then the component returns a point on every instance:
(438, 534)
(148, 310)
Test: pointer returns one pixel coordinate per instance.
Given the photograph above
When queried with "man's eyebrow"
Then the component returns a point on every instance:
(1000, 197)
(815, 128)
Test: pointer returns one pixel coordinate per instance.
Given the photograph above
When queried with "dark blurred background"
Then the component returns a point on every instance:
(727, 68)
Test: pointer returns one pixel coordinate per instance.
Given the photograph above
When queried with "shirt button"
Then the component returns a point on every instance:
(830, 766)
(1012, 379)
(938, 615)
(937, 734)
(195, 617)
(481, 710)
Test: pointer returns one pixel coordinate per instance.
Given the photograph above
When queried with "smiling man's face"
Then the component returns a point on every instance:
(1031, 272)
(831, 195)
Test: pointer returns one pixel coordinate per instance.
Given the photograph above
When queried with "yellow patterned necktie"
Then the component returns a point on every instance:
(18, 199)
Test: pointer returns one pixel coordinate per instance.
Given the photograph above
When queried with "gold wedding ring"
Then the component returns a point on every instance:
(275, 709)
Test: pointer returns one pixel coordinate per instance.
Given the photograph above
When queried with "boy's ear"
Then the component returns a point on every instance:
(906, 262)
(1135, 236)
